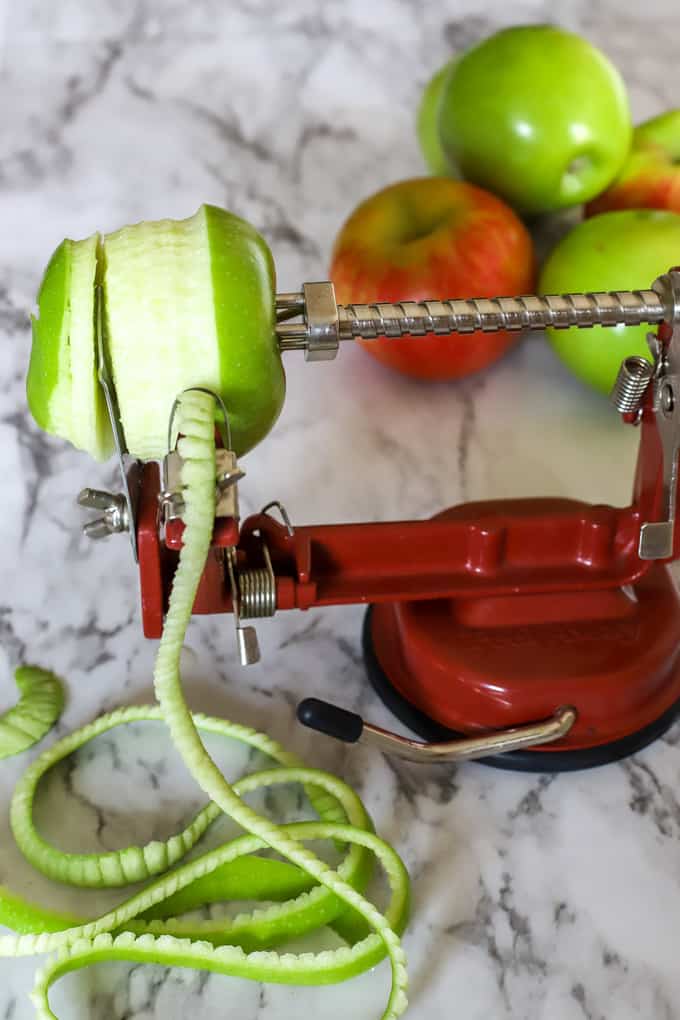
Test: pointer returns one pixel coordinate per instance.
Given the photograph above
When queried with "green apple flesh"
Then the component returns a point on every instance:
(427, 125)
(538, 116)
(624, 250)
(186, 303)
(192, 303)
(48, 384)
(62, 386)
(650, 178)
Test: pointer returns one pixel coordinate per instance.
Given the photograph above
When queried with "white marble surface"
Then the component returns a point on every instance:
(534, 897)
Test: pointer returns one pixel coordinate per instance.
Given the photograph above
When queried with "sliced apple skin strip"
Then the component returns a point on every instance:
(117, 868)
(197, 448)
(39, 706)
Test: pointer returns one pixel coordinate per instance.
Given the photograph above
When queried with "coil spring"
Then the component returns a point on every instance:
(635, 375)
(257, 588)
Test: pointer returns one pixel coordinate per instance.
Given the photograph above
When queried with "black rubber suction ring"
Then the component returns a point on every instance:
(513, 761)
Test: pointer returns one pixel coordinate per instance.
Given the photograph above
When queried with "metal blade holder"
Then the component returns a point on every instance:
(118, 509)
(228, 475)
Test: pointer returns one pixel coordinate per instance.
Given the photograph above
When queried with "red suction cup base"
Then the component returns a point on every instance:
(464, 666)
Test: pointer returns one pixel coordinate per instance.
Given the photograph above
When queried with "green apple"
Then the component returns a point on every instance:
(538, 116)
(624, 250)
(186, 303)
(662, 131)
(650, 178)
(427, 124)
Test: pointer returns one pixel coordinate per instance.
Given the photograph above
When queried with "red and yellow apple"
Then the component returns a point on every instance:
(650, 178)
(433, 237)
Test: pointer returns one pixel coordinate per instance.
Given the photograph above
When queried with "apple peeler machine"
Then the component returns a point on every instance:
(532, 634)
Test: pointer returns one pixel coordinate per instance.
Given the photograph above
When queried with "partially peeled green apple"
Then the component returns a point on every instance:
(186, 303)
(63, 391)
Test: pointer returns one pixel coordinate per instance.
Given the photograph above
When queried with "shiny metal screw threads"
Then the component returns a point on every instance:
(635, 375)
(419, 318)
(506, 313)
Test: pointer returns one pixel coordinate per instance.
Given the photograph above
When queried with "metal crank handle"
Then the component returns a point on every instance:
(351, 728)
(322, 323)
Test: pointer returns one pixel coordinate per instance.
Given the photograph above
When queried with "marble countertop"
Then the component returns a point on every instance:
(533, 896)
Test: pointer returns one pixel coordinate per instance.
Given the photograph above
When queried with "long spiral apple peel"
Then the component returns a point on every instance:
(41, 700)
(137, 929)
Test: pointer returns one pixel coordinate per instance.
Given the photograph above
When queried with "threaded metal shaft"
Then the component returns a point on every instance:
(630, 308)
(324, 323)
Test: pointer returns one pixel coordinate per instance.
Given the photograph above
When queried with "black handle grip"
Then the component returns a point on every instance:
(330, 719)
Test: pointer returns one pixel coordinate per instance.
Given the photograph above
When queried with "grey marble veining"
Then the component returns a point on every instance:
(534, 897)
